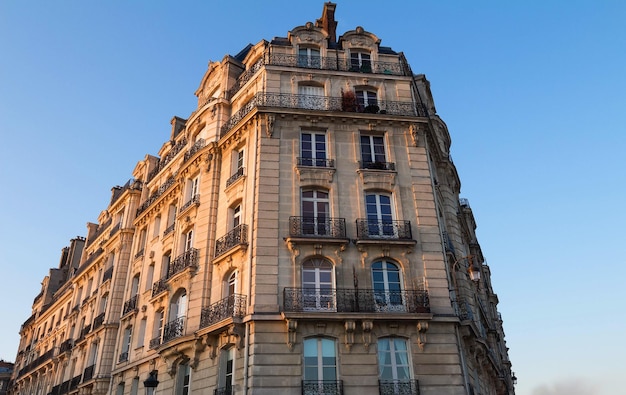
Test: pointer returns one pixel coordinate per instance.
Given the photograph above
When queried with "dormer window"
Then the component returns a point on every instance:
(360, 61)
(309, 58)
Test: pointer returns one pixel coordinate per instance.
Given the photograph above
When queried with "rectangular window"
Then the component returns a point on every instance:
(309, 57)
(373, 152)
(189, 240)
(183, 380)
(320, 366)
(142, 332)
(360, 61)
(313, 149)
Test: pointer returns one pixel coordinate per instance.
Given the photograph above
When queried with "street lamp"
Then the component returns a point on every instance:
(151, 382)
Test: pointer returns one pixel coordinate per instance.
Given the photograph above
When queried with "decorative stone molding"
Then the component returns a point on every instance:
(422, 327)
(292, 326)
(367, 326)
(349, 336)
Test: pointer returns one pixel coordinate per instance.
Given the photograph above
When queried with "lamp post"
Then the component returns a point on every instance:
(151, 382)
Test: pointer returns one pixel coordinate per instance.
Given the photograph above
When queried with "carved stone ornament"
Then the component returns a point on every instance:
(350, 326)
(292, 326)
(422, 327)
(269, 127)
(367, 333)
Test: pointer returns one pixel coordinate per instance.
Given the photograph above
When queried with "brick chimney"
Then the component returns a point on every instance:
(328, 22)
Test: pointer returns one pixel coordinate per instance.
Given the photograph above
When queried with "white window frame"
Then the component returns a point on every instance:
(317, 151)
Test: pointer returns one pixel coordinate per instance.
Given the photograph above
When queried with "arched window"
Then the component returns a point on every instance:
(318, 283)
(387, 283)
(320, 366)
(394, 371)
(315, 212)
(176, 319)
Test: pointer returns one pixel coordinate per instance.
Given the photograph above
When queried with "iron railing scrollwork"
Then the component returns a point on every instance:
(317, 227)
(123, 357)
(316, 162)
(101, 228)
(377, 165)
(229, 307)
(197, 146)
(108, 274)
(169, 229)
(195, 199)
(176, 148)
(324, 103)
(398, 387)
(355, 300)
(388, 230)
(187, 259)
(174, 329)
(237, 236)
(226, 390)
(98, 321)
(159, 286)
(154, 343)
(157, 194)
(322, 387)
(88, 373)
(130, 305)
(238, 174)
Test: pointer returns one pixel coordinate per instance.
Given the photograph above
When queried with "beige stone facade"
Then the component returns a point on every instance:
(301, 232)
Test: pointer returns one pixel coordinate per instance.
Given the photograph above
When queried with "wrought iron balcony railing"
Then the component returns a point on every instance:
(108, 274)
(197, 146)
(367, 229)
(98, 321)
(330, 63)
(377, 165)
(123, 357)
(74, 382)
(237, 236)
(130, 305)
(159, 286)
(227, 390)
(238, 174)
(167, 158)
(355, 300)
(195, 199)
(115, 229)
(231, 306)
(88, 373)
(169, 229)
(316, 162)
(157, 194)
(139, 253)
(65, 387)
(174, 329)
(398, 387)
(187, 259)
(317, 227)
(84, 332)
(322, 387)
(66, 346)
(323, 103)
(154, 343)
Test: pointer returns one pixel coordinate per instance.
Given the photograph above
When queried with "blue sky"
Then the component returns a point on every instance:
(533, 93)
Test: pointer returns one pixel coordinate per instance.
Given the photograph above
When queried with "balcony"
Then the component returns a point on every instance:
(130, 305)
(237, 236)
(389, 166)
(84, 332)
(115, 229)
(139, 253)
(194, 201)
(169, 229)
(65, 387)
(155, 343)
(101, 228)
(197, 146)
(398, 387)
(88, 373)
(317, 227)
(187, 259)
(157, 194)
(227, 390)
(316, 162)
(174, 329)
(66, 346)
(159, 286)
(335, 64)
(238, 174)
(123, 357)
(98, 321)
(322, 387)
(108, 274)
(176, 148)
(355, 301)
(367, 229)
(74, 382)
(230, 307)
(322, 103)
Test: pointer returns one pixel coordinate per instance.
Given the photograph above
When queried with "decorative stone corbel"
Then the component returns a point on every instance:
(211, 342)
(238, 332)
(198, 347)
(292, 326)
(367, 326)
(422, 327)
(350, 326)
(269, 124)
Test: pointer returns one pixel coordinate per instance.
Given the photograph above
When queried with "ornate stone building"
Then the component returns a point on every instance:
(301, 232)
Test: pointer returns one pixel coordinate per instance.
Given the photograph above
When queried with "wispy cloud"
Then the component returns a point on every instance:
(577, 386)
